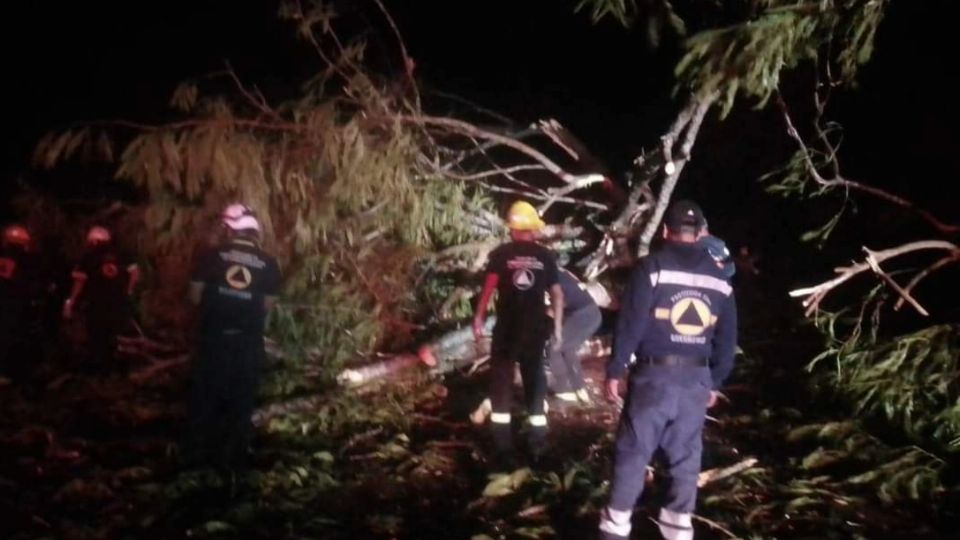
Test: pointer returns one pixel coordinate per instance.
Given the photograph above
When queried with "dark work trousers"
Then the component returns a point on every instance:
(11, 338)
(526, 347)
(105, 320)
(578, 326)
(665, 415)
(20, 338)
(226, 375)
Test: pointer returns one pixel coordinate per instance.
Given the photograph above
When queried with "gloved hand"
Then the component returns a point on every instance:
(68, 309)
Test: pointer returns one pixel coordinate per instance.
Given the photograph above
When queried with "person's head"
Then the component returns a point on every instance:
(524, 221)
(684, 222)
(16, 236)
(98, 236)
(240, 222)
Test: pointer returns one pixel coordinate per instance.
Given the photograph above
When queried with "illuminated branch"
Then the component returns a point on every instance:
(688, 124)
(464, 128)
(952, 258)
(814, 295)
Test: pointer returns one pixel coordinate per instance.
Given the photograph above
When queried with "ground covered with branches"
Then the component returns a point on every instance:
(96, 457)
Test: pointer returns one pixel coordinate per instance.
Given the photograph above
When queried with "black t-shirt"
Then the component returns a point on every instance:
(108, 275)
(575, 294)
(527, 270)
(236, 277)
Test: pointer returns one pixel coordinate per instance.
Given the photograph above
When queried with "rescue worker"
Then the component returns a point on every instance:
(678, 317)
(581, 318)
(103, 283)
(235, 285)
(522, 272)
(21, 293)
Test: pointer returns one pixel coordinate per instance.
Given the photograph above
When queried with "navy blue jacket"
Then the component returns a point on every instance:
(678, 302)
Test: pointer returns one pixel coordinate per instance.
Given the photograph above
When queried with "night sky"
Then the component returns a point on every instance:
(528, 59)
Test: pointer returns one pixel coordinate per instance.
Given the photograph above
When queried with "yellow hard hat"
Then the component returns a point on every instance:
(524, 217)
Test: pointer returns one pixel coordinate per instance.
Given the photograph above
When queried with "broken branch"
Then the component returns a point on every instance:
(815, 294)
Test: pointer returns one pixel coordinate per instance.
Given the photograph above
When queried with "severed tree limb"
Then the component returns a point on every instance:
(557, 194)
(841, 182)
(481, 148)
(475, 106)
(640, 200)
(875, 266)
(464, 128)
(408, 64)
(952, 258)
(713, 475)
(688, 125)
(815, 294)
(494, 172)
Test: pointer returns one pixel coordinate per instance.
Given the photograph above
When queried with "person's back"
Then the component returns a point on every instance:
(234, 286)
(678, 319)
(237, 275)
(522, 272)
(689, 293)
(526, 270)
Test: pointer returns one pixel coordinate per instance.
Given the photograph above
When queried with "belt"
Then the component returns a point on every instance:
(673, 360)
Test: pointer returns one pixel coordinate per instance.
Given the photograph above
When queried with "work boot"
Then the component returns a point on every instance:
(615, 524)
(675, 525)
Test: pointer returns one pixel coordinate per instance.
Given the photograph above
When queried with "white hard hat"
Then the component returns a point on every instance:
(98, 235)
(240, 217)
(16, 234)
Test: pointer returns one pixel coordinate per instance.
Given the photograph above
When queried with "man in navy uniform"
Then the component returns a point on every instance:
(678, 317)
(521, 272)
(235, 285)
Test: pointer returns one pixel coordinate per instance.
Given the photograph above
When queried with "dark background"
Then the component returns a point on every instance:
(65, 62)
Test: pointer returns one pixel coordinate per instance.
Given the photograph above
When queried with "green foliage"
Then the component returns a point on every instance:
(338, 182)
(910, 380)
(658, 16)
(748, 57)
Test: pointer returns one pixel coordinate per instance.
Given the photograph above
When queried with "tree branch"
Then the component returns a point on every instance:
(408, 64)
(840, 181)
(952, 258)
(688, 123)
(815, 294)
(464, 128)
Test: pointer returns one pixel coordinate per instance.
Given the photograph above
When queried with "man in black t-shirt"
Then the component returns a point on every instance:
(235, 285)
(103, 282)
(521, 272)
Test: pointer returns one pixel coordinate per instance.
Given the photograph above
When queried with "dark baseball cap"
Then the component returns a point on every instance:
(684, 213)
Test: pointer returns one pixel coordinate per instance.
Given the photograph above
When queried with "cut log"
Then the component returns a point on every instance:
(358, 376)
(712, 475)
